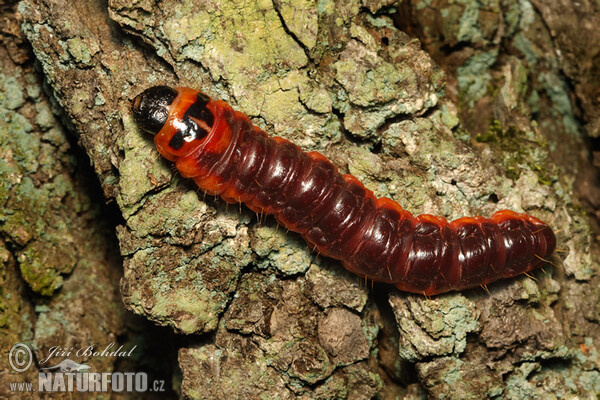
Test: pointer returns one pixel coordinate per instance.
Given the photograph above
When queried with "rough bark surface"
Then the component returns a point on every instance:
(58, 256)
(264, 315)
(59, 259)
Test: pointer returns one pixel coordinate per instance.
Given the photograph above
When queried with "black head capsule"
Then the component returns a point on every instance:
(151, 107)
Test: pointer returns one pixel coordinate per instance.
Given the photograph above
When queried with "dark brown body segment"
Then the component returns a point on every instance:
(342, 219)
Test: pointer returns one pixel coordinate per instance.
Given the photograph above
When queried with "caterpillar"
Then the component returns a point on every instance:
(226, 155)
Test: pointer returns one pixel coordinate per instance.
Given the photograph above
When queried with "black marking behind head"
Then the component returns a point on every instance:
(176, 141)
(188, 132)
(151, 107)
(199, 111)
(190, 129)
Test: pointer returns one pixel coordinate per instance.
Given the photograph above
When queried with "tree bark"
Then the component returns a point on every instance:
(479, 117)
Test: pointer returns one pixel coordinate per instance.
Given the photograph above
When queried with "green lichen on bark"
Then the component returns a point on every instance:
(341, 78)
(35, 182)
(56, 248)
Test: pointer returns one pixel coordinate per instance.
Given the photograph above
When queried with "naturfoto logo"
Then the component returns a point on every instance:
(65, 375)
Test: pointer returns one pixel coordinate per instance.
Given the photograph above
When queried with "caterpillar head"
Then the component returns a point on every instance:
(151, 107)
(179, 118)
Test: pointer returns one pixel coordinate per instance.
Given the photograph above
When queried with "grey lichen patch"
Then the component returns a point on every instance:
(286, 252)
(375, 86)
(368, 84)
(141, 170)
(45, 120)
(435, 327)
(418, 138)
(581, 265)
(352, 382)
(12, 94)
(80, 51)
(186, 288)
(24, 146)
(464, 379)
(178, 224)
(580, 260)
(474, 77)
(441, 175)
(350, 291)
(237, 368)
(534, 379)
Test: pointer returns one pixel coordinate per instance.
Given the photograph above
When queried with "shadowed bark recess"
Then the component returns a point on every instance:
(266, 317)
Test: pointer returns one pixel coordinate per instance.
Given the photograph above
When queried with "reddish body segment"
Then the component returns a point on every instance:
(226, 155)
